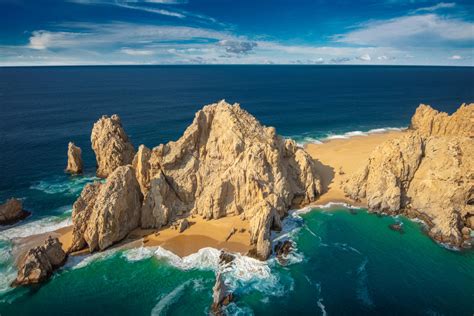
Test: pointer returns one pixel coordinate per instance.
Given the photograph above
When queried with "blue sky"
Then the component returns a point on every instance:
(90, 32)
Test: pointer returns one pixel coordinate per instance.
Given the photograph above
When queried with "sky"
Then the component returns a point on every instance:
(124, 32)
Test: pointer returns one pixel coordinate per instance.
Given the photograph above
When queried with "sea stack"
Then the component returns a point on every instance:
(426, 173)
(74, 159)
(12, 211)
(39, 263)
(225, 164)
(111, 145)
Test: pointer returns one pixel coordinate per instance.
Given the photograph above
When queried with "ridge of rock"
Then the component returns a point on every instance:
(74, 159)
(427, 173)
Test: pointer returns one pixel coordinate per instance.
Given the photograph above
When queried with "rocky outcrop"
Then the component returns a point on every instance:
(221, 296)
(106, 212)
(74, 159)
(12, 211)
(426, 173)
(39, 263)
(430, 122)
(226, 163)
(111, 145)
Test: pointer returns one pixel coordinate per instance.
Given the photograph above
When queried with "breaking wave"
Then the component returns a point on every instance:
(71, 185)
(40, 226)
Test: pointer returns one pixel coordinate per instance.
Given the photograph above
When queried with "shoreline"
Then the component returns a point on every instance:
(332, 156)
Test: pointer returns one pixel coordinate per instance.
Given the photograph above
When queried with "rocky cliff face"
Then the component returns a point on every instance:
(426, 173)
(226, 163)
(106, 212)
(74, 159)
(111, 145)
(40, 262)
(12, 211)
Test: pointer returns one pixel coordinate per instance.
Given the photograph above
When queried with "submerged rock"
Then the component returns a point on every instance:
(74, 159)
(39, 263)
(425, 173)
(398, 227)
(12, 211)
(111, 145)
(106, 212)
(282, 249)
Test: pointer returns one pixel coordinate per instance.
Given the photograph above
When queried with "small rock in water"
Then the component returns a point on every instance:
(398, 227)
(282, 249)
(12, 211)
(220, 296)
(353, 211)
(225, 258)
(40, 262)
(74, 159)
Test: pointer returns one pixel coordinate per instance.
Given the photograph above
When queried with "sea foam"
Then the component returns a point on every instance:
(63, 185)
(40, 226)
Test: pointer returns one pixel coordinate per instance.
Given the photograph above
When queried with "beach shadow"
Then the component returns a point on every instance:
(326, 173)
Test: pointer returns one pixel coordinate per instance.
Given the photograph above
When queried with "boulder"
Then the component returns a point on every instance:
(183, 225)
(39, 263)
(12, 211)
(74, 159)
(111, 145)
(426, 173)
(106, 212)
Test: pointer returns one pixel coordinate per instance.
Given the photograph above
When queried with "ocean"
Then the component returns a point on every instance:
(344, 263)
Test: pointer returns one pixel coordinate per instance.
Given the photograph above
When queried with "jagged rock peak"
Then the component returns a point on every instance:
(74, 159)
(39, 262)
(111, 145)
(226, 163)
(430, 122)
(106, 212)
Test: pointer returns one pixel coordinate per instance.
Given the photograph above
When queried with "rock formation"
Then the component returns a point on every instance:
(12, 211)
(226, 163)
(426, 173)
(111, 145)
(74, 159)
(221, 296)
(106, 212)
(39, 263)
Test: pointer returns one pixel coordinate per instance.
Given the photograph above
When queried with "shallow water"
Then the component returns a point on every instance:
(343, 264)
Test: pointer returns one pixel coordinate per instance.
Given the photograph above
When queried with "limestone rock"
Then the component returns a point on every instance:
(183, 225)
(429, 122)
(426, 173)
(106, 212)
(12, 211)
(111, 145)
(226, 163)
(142, 167)
(74, 159)
(39, 262)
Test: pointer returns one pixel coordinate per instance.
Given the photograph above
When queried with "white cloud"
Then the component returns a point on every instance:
(365, 57)
(439, 6)
(455, 57)
(136, 52)
(411, 31)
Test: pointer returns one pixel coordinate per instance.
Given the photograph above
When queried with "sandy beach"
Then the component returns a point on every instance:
(336, 159)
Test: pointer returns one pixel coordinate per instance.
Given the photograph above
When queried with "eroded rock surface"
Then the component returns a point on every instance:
(226, 163)
(426, 173)
(12, 211)
(106, 212)
(74, 159)
(39, 263)
(111, 145)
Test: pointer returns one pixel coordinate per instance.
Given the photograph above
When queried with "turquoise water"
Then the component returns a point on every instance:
(345, 263)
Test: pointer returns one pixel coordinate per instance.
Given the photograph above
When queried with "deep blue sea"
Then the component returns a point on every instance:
(345, 263)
